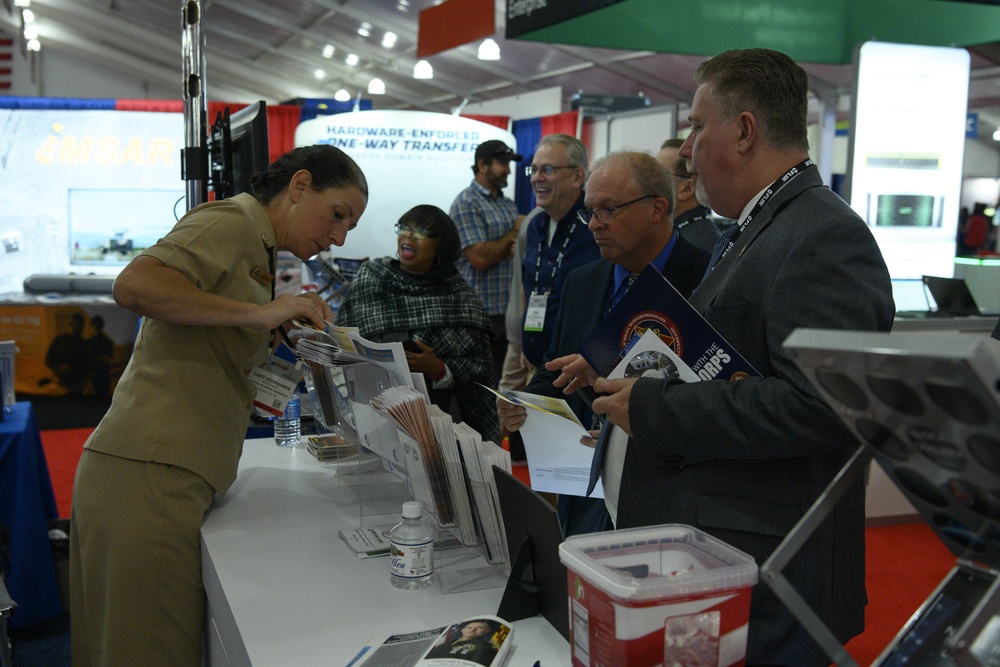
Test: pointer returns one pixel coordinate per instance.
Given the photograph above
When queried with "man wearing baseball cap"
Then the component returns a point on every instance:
(487, 225)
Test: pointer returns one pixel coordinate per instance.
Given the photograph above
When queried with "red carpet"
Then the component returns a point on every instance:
(904, 563)
(62, 452)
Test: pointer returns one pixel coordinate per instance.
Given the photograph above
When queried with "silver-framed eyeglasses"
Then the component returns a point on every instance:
(605, 213)
(546, 169)
(418, 233)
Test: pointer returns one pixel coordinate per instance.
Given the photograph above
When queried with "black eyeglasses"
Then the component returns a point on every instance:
(418, 233)
(605, 214)
(546, 169)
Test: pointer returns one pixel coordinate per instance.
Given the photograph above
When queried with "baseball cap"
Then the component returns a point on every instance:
(493, 149)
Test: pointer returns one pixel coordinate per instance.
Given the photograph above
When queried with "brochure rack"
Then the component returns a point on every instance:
(925, 406)
(390, 467)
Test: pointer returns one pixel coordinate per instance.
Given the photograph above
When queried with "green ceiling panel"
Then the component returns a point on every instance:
(817, 31)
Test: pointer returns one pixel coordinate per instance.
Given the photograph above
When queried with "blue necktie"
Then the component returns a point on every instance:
(602, 438)
(720, 247)
(598, 461)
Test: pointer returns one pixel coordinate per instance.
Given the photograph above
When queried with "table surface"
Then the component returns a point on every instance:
(284, 589)
(26, 504)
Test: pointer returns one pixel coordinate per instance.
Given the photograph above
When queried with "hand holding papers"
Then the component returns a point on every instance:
(557, 461)
(344, 346)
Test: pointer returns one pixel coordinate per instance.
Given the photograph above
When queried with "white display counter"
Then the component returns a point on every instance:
(283, 589)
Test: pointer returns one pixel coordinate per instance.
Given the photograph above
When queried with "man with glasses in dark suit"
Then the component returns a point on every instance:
(627, 209)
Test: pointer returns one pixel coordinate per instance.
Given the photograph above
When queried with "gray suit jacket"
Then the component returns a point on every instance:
(744, 461)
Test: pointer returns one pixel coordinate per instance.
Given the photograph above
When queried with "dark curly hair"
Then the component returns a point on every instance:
(441, 227)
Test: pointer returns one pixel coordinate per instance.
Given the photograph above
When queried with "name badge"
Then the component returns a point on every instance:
(534, 314)
(261, 276)
(275, 380)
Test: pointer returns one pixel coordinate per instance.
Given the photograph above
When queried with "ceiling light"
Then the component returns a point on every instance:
(403, 6)
(996, 135)
(342, 95)
(389, 40)
(489, 50)
(28, 16)
(34, 45)
(423, 70)
(320, 74)
(365, 29)
(22, 3)
(351, 59)
(31, 31)
(328, 51)
(376, 87)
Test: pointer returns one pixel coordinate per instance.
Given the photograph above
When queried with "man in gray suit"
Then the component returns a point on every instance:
(744, 461)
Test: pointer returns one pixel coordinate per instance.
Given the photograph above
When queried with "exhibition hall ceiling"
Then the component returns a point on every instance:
(263, 49)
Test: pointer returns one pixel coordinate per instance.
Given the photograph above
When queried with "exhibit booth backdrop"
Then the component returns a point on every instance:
(90, 182)
(409, 158)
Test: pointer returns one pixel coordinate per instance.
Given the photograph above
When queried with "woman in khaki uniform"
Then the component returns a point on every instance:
(173, 435)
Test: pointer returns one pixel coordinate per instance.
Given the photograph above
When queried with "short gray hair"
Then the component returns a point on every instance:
(575, 150)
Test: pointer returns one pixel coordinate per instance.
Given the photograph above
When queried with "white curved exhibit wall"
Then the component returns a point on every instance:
(409, 158)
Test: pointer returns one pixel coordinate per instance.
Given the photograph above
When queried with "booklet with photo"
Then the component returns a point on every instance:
(652, 303)
(480, 640)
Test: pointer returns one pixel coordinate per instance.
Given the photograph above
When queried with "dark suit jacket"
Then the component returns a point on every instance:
(585, 299)
(744, 461)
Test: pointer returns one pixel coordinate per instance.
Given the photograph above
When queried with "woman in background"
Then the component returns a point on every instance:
(422, 298)
(173, 435)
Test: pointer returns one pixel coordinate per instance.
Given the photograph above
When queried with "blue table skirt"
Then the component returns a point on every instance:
(26, 505)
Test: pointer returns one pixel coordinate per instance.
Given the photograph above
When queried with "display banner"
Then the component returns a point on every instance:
(84, 191)
(527, 15)
(409, 158)
(907, 146)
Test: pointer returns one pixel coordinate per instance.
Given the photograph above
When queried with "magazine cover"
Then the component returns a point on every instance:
(653, 304)
(480, 640)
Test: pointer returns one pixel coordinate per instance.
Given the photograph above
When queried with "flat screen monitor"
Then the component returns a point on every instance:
(108, 227)
(952, 295)
(537, 583)
(239, 149)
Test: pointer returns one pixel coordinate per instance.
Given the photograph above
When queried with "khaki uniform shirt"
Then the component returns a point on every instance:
(185, 397)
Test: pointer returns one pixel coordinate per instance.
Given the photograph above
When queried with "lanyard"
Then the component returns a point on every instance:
(764, 198)
(558, 262)
(698, 216)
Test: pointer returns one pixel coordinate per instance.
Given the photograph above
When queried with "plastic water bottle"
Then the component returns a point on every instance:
(288, 427)
(411, 550)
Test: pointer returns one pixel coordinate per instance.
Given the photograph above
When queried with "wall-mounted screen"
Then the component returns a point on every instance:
(110, 227)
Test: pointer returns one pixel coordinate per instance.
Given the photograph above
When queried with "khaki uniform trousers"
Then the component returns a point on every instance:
(136, 595)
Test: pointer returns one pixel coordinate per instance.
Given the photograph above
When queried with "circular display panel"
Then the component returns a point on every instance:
(842, 388)
(896, 394)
